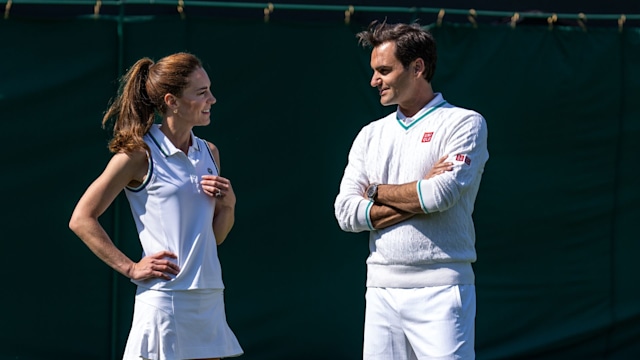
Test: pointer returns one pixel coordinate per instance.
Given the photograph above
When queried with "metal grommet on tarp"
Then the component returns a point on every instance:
(7, 8)
(267, 12)
(514, 20)
(440, 17)
(347, 14)
(181, 9)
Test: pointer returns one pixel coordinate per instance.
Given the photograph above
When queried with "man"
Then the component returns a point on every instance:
(411, 181)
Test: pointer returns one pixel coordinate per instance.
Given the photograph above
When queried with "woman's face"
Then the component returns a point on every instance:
(195, 103)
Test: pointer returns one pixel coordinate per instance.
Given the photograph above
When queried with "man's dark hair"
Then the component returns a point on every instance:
(412, 42)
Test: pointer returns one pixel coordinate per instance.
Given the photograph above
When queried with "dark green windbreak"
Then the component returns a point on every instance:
(555, 216)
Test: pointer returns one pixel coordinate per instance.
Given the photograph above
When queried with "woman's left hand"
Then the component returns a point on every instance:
(219, 188)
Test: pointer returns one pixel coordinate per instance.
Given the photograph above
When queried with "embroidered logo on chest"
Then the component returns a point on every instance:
(427, 137)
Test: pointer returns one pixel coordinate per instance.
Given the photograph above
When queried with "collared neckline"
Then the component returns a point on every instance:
(407, 122)
(165, 145)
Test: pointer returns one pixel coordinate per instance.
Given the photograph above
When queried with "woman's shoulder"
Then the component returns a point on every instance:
(132, 163)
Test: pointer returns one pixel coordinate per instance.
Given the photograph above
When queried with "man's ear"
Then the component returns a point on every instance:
(418, 66)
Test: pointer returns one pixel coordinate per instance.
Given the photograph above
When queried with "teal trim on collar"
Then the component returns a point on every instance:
(167, 148)
(158, 145)
(406, 127)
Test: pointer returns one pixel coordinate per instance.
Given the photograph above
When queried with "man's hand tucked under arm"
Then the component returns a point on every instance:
(405, 197)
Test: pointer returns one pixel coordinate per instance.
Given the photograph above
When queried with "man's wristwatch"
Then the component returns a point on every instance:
(372, 192)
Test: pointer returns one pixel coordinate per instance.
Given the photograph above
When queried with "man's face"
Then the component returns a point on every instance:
(389, 76)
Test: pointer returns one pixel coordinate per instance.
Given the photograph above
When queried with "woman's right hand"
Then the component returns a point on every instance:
(154, 266)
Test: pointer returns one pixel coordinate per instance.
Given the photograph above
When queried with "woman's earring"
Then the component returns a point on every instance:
(175, 111)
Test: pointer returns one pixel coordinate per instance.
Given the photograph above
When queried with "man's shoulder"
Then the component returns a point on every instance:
(460, 110)
(376, 127)
(454, 113)
(381, 121)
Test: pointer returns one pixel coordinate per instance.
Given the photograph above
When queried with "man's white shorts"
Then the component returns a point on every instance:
(173, 325)
(420, 323)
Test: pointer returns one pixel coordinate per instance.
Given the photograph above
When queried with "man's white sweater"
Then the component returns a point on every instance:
(430, 249)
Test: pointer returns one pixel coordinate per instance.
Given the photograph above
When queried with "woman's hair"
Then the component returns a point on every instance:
(412, 42)
(141, 97)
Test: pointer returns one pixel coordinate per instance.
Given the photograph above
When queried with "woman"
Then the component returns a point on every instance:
(182, 207)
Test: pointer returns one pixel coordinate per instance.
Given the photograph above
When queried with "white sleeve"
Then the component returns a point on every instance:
(351, 207)
(467, 149)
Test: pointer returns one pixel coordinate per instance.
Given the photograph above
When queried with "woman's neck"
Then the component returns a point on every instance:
(180, 138)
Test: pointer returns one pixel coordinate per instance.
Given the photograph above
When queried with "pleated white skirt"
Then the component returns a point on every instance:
(177, 325)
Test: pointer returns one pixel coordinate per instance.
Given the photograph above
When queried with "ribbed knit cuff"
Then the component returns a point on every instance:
(424, 190)
(364, 214)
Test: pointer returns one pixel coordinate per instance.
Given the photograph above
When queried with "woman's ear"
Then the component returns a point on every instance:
(171, 101)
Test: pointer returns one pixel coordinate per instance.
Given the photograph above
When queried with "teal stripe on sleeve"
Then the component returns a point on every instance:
(367, 215)
(424, 208)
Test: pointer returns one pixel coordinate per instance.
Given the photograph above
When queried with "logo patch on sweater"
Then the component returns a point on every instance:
(427, 137)
(465, 158)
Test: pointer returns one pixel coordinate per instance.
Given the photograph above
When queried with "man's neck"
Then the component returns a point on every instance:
(410, 108)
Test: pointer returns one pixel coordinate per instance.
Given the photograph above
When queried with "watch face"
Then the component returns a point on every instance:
(372, 190)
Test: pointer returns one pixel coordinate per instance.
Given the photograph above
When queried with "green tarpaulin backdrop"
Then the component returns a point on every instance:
(555, 217)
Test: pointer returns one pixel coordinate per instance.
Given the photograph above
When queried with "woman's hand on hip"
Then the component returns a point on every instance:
(155, 266)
